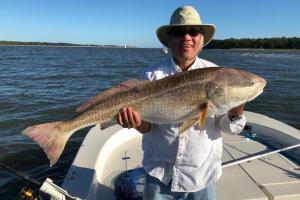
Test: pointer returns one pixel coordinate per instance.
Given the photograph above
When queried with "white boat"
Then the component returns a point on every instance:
(105, 154)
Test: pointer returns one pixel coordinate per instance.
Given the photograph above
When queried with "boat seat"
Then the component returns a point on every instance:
(265, 178)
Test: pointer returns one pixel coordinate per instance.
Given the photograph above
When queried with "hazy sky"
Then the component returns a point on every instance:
(134, 22)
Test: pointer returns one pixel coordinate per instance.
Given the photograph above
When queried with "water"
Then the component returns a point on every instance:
(41, 84)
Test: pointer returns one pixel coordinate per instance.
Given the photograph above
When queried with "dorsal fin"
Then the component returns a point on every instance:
(124, 86)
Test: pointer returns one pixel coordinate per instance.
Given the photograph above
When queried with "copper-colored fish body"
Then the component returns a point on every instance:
(175, 99)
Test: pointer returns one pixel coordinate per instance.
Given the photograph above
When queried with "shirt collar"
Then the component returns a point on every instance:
(176, 68)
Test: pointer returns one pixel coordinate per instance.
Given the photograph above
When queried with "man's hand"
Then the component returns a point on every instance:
(129, 118)
(236, 112)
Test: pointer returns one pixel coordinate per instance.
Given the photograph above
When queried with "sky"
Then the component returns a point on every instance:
(134, 22)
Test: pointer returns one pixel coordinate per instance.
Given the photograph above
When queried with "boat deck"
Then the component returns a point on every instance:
(271, 177)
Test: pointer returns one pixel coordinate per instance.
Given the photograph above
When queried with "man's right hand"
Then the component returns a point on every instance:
(129, 118)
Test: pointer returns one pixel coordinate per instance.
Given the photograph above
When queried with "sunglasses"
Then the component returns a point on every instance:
(180, 32)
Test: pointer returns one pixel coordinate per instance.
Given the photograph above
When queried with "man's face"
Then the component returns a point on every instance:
(186, 42)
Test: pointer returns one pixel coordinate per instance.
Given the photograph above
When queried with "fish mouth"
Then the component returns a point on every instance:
(256, 95)
(260, 83)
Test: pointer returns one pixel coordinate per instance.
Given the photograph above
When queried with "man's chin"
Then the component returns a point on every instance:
(186, 57)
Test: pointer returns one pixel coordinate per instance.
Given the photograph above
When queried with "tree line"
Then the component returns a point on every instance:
(36, 43)
(260, 43)
(7, 43)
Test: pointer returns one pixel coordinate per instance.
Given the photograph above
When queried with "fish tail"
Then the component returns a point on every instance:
(50, 138)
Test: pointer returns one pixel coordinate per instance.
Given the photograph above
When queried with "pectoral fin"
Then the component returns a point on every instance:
(191, 122)
(187, 124)
(203, 116)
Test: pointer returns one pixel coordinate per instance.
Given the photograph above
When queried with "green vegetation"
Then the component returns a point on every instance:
(16, 43)
(36, 43)
(247, 43)
(265, 43)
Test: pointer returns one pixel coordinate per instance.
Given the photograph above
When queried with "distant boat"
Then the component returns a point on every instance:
(165, 50)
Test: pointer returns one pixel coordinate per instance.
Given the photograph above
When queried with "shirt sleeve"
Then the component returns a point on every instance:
(231, 127)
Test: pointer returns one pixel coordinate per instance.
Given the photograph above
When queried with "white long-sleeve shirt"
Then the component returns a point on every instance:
(192, 160)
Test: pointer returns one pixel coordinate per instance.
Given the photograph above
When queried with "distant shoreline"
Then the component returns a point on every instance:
(279, 43)
(259, 43)
(257, 49)
(118, 47)
(59, 44)
(22, 45)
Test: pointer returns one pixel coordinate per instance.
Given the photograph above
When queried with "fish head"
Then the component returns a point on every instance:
(230, 87)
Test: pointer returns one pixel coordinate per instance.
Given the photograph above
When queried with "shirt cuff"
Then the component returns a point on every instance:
(232, 127)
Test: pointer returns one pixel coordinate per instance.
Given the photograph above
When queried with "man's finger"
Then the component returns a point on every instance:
(137, 118)
(120, 121)
(125, 117)
(130, 118)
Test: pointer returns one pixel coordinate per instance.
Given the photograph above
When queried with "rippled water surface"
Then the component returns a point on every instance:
(41, 84)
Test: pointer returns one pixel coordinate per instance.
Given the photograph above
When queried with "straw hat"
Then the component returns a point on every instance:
(185, 16)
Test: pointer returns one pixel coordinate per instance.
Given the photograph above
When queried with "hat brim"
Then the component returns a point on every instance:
(207, 30)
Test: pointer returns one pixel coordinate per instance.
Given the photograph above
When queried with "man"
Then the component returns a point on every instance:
(185, 166)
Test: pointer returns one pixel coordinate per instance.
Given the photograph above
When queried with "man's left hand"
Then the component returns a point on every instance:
(237, 111)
